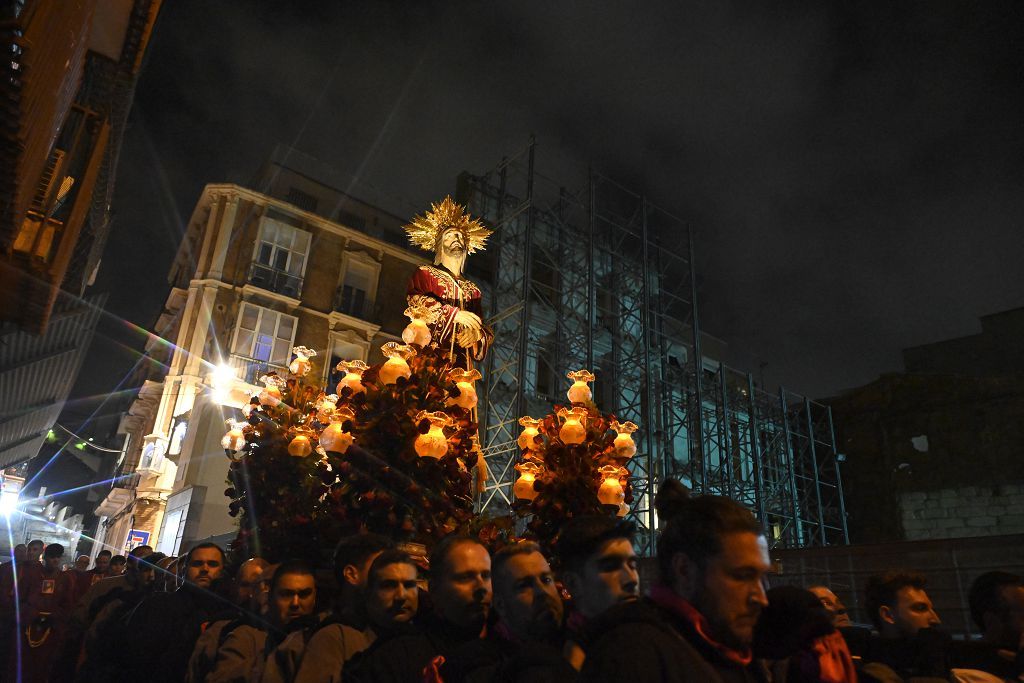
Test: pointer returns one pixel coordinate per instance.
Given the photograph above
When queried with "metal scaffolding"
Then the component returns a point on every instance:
(584, 279)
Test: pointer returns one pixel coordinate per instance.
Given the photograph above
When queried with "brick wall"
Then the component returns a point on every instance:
(963, 512)
(974, 437)
(146, 513)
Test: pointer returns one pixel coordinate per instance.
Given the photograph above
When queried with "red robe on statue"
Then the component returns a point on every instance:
(444, 295)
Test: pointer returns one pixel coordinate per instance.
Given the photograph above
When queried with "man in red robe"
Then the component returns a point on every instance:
(46, 601)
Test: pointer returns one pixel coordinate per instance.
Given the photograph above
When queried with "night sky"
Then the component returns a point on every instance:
(852, 170)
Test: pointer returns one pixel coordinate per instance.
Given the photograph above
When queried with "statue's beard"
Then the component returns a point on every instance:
(452, 260)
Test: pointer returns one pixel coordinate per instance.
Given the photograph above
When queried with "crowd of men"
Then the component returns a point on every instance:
(501, 616)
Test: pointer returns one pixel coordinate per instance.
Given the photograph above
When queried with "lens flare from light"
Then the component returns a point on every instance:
(222, 377)
(8, 503)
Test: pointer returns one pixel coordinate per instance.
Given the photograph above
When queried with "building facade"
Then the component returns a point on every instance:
(67, 86)
(258, 273)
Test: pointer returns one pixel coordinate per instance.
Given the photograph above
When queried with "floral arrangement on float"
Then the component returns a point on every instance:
(391, 449)
(573, 462)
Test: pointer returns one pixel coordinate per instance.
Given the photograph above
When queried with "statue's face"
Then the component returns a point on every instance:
(453, 242)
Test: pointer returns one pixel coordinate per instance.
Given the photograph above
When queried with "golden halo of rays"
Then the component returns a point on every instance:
(425, 230)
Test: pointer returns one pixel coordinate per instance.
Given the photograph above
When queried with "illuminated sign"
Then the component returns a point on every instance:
(135, 539)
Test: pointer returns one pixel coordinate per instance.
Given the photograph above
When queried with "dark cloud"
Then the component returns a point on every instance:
(852, 170)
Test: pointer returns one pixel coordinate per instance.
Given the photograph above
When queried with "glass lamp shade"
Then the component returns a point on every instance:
(397, 362)
(301, 366)
(524, 486)
(300, 446)
(527, 439)
(433, 444)
(467, 395)
(624, 445)
(353, 378)
(464, 379)
(580, 392)
(394, 368)
(325, 407)
(334, 439)
(611, 492)
(270, 396)
(353, 381)
(234, 440)
(416, 332)
(573, 430)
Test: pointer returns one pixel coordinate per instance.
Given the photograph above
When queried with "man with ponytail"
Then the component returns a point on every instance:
(698, 622)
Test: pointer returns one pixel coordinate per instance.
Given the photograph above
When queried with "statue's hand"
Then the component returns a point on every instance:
(467, 337)
(469, 320)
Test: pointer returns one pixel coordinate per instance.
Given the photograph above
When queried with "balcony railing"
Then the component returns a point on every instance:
(126, 481)
(274, 280)
(250, 369)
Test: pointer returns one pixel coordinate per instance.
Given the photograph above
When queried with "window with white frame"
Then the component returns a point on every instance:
(279, 260)
(264, 335)
(358, 287)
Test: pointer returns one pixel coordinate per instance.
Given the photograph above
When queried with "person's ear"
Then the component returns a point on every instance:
(351, 574)
(886, 614)
(685, 575)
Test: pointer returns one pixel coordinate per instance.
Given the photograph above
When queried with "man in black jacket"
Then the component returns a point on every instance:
(164, 628)
(388, 605)
(997, 608)
(460, 589)
(908, 642)
(526, 641)
(698, 622)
